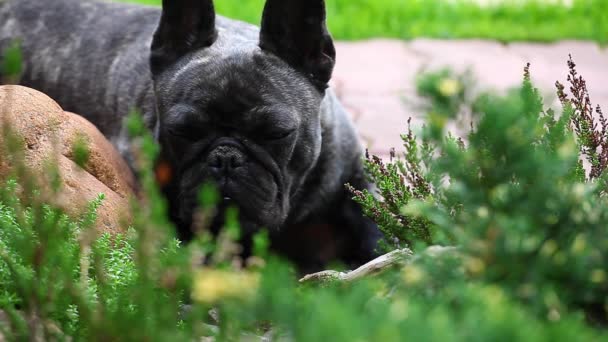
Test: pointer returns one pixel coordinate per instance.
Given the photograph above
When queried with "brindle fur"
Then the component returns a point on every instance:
(93, 58)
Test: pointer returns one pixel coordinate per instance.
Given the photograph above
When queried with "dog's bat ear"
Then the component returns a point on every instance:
(185, 26)
(296, 31)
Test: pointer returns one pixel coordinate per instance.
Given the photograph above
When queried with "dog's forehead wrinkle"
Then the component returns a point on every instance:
(278, 115)
(207, 78)
(205, 63)
(192, 64)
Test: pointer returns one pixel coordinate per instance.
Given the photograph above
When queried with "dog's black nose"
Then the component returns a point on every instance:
(225, 159)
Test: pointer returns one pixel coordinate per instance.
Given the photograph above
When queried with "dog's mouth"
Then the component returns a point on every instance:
(226, 203)
(223, 219)
(255, 204)
(254, 190)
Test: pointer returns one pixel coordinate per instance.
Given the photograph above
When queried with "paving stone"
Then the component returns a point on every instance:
(375, 79)
(491, 63)
(374, 67)
(380, 121)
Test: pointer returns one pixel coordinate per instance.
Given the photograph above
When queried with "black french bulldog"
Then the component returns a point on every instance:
(248, 108)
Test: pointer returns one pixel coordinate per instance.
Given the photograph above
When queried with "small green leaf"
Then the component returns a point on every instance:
(81, 151)
(12, 64)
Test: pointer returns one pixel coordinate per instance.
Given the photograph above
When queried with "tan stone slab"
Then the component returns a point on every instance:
(378, 66)
(380, 121)
(375, 79)
(492, 64)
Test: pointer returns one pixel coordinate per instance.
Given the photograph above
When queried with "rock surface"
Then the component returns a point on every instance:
(49, 135)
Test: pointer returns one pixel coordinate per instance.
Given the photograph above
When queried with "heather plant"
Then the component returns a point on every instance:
(525, 218)
(398, 183)
(411, 176)
(513, 195)
(588, 122)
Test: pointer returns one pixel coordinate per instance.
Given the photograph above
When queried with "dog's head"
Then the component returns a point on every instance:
(244, 115)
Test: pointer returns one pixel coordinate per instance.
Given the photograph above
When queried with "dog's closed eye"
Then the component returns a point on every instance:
(189, 133)
(275, 135)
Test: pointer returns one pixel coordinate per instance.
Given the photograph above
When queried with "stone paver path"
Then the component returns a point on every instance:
(376, 79)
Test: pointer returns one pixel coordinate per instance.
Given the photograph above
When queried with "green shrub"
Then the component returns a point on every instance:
(513, 195)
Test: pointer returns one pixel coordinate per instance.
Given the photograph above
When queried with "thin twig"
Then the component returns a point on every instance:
(397, 257)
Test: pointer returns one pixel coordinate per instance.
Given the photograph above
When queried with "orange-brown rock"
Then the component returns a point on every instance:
(104, 161)
(48, 134)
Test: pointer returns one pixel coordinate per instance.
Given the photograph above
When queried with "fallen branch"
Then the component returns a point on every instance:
(397, 257)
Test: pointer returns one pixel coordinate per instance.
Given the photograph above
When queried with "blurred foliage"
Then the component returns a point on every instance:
(444, 91)
(508, 20)
(11, 64)
(512, 193)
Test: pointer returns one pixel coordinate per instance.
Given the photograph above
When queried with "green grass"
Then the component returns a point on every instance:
(520, 20)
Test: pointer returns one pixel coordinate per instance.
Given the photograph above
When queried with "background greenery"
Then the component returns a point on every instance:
(508, 20)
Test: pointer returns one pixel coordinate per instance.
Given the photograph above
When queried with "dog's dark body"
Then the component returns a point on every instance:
(227, 102)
